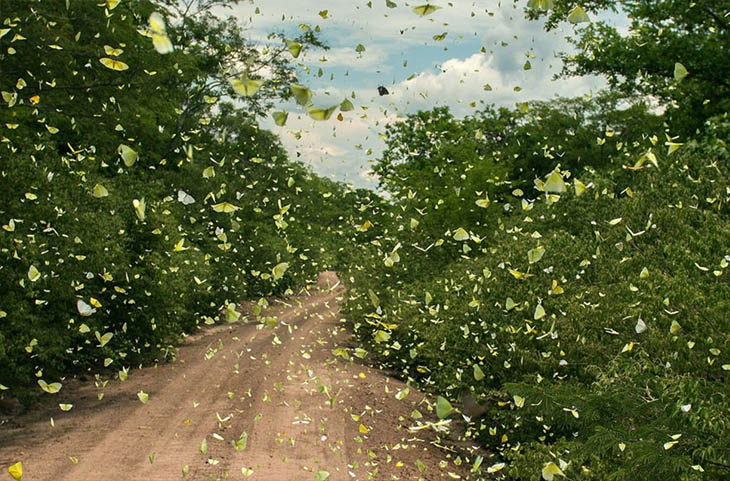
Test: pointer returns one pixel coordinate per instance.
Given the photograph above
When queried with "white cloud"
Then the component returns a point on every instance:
(375, 56)
(462, 81)
(449, 73)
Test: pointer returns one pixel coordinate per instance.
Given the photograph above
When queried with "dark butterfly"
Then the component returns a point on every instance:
(383, 91)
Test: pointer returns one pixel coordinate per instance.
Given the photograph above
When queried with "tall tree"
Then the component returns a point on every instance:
(643, 60)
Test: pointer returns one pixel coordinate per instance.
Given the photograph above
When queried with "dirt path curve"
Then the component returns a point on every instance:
(240, 402)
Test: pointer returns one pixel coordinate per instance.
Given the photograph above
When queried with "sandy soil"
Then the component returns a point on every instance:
(303, 408)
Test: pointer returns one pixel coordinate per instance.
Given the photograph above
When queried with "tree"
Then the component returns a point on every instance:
(662, 33)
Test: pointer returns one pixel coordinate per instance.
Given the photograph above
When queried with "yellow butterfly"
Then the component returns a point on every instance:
(555, 183)
(179, 246)
(100, 191)
(279, 270)
(424, 10)
(346, 106)
(16, 471)
(139, 208)
(114, 52)
(246, 86)
(112, 4)
(280, 118)
(540, 4)
(578, 15)
(225, 207)
(550, 470)
(128, 155)
(295, 48)
(33, 274)
(113, 64)
(461, 234)
(680, 72)
(158, 30)
(52, 388)
(321, 114)
(301, 93)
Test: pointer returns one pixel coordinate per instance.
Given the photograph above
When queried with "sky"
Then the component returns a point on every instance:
(486, 42)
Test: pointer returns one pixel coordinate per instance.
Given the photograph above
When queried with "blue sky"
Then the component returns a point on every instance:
(450, 72)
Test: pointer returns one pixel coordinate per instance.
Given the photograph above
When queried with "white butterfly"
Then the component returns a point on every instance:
(84, 309)
(640, 326)
(185, 198)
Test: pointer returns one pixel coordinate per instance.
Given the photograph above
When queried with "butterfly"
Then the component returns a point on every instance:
(158, 30)
(225, 207)
(540, 4)
(246, 86)
(185, 198)
(128, 155)
(113, 64)
(301, 93)
(578, 15)
(346, 106)
(424, 10)
(84, 309)
(295, 48)
(383, 91)
(322, 114)
(555, 183)
(114, 52)
(280, 118)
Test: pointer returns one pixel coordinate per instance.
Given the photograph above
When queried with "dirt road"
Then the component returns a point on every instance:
(240, 402)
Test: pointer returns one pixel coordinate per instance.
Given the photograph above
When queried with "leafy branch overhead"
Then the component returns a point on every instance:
(641, 58)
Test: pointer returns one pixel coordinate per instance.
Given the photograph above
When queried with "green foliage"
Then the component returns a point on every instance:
(130, 248)
(597, 388)
(661, 34)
